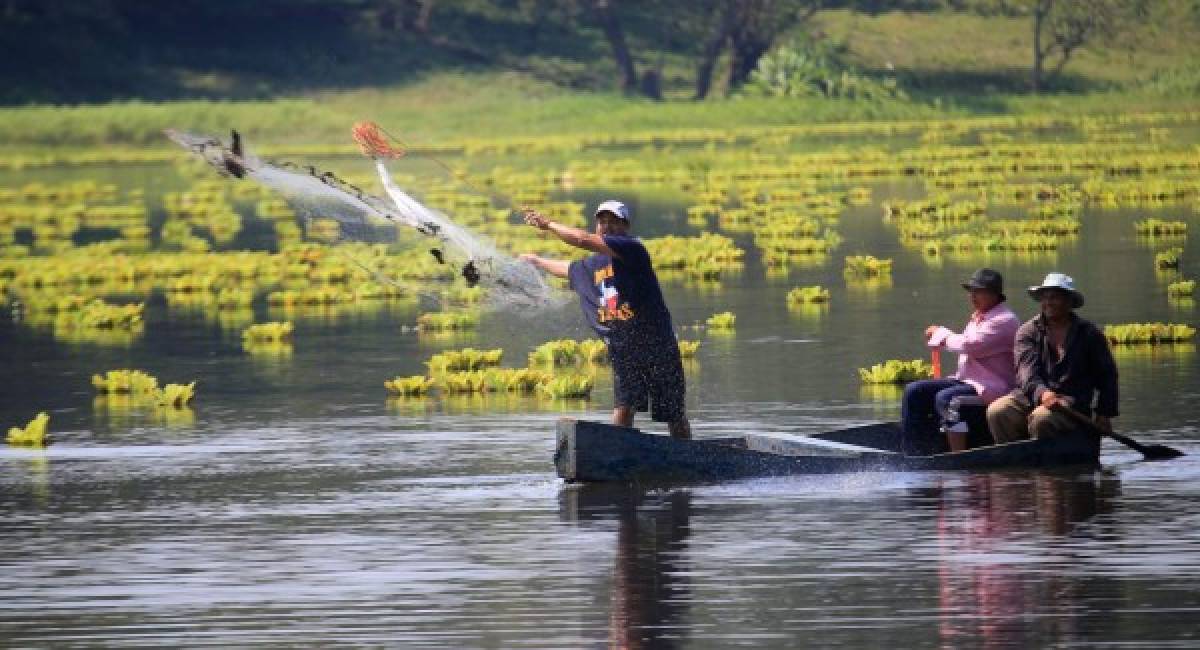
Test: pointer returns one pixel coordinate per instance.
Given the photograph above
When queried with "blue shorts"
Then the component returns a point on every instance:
(652, 381)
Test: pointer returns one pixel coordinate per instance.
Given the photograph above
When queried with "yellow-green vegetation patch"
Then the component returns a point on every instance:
(33, 434)
(725, 320)
(867, 266)
(1160, 228)
(808, 295)
(440, 321)
(1181, 289)
(561, 352)
(1153, 333)
(895, 371)
(413, 386)
(464, 359)
(273, 332)
(687, 349)
(1168, 259)
(568, 387)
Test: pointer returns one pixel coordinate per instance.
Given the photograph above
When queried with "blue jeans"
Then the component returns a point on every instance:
(925, 403)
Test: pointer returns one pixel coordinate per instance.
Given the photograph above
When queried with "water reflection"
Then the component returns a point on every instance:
(999, 538)
(648, 599)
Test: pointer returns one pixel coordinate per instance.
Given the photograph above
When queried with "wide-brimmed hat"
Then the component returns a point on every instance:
(618, 209)
(1062, 282)
(986, 279)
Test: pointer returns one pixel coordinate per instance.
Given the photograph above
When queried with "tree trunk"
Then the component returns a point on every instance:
(1040, 10)
(747, 50)
(712, 51)
(616, 39)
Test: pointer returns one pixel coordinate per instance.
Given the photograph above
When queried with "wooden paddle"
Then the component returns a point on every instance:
(1151, 452)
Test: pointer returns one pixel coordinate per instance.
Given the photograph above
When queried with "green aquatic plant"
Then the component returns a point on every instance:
(1168, 259)
(176, 396)
(1158, 228)
(126, 382)
(593, 351)
(562, 352)
(808, 295)
(894, 371)
(447, 321)
(33, 434)
(516, 380)
(867, 266)
(722, 321)
(568, 387)
(687, 349)
(273, 332)
(1134, 333)
(1181, 289)
(414, 386)
(464, 359)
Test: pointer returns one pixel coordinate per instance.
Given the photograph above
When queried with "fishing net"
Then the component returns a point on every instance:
(314, 194)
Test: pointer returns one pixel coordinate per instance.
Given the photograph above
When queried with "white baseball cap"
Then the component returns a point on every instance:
(616, 207)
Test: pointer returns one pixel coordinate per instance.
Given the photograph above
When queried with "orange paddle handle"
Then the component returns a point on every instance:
(935, 357)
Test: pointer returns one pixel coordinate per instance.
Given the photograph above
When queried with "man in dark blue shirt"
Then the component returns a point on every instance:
(622, 301)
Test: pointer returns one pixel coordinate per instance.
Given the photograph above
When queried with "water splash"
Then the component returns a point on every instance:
(363, 217)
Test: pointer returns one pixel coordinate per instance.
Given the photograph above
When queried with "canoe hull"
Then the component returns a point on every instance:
(595, 452)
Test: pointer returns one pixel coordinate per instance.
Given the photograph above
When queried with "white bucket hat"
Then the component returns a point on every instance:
(1062, 282)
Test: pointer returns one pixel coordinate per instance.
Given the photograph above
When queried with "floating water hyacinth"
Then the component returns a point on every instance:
(1181, 289)
(1168, 259)
(176, 396)
(568, 387)
(687, 349)
(593, 351)
(414, 386)
(894, 371)
(516, 380)
(1159, 228)
(465, 359)
(866, 266)
(808, 295)
(447, 321)
(274, 332)
(1134, 333)
(562, 352)
(33, 434)
(126, 382)
(722, 321)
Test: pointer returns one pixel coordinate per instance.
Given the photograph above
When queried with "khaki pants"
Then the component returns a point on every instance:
(1013, 417)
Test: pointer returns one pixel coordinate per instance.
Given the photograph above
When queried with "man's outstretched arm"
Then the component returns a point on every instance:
(576, 237)
(556, 268)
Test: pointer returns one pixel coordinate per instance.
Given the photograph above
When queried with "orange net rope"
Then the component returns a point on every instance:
(372, 141)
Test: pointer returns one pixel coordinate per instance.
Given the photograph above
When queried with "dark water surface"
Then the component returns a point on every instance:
(298, 506)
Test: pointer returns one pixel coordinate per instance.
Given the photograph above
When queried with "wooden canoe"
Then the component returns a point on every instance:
(596, 452)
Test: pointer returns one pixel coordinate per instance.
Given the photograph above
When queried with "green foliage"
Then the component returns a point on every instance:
(722, 321)
(568, 387)
(1181, 289)
(414, 386)
(687, 349)
(1168, 259)
(465, 359)
(894, 371)
(1148, 333)
(32, 434)
(815, 69)
(808, 295)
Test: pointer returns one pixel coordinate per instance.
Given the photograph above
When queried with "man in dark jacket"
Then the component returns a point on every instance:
(1063, 361)
(622, 301)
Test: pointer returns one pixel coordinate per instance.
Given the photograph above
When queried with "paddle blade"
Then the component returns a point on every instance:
(1161, 452)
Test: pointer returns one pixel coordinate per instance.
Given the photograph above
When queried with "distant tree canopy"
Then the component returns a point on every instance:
(86, 50)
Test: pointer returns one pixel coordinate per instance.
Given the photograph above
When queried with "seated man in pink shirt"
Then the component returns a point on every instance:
(985, 363)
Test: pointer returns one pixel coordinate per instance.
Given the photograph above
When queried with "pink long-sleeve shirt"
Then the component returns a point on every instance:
(985, 347)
